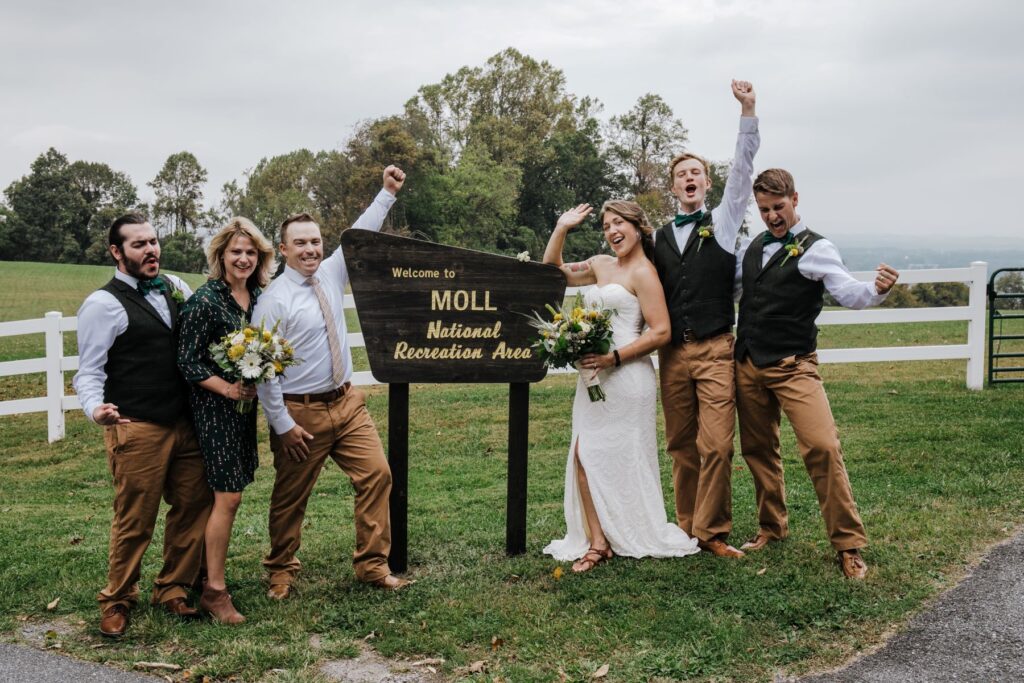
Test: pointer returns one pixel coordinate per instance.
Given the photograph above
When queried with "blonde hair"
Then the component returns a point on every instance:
(243, 227)
(632, 213)
(683, 156)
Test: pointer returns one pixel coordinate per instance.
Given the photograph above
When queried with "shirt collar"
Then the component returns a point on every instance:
(295, 276)
(126, 278)
(703, 207)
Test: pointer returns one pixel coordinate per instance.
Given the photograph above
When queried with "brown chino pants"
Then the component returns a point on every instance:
(698, 397)
(343, 430)
(149, 461)
(795, 385)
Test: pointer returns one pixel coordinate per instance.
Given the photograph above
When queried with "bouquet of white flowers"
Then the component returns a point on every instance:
(254, 355)
(573, 332)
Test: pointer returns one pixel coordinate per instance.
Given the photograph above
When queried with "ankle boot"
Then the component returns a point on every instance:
(219, 605)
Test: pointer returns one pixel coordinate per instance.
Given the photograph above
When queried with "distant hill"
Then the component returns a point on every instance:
(903, 257)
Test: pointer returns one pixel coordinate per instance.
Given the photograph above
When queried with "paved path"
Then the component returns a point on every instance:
(19, 664)
(974, 632)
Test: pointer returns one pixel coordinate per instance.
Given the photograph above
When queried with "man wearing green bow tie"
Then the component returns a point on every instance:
(695, 255)
(128, 382)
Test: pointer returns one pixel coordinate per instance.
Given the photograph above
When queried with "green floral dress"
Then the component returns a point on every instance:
(226, 438)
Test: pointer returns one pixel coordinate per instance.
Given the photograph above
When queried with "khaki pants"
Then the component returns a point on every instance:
(149, 461)
(344, 431)
(698, 397)
(795, 385)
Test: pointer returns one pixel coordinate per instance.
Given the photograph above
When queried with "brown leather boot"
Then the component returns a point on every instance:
(114, 622)
(219, 605)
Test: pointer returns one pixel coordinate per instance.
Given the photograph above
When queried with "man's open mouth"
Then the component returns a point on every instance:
(690, 189)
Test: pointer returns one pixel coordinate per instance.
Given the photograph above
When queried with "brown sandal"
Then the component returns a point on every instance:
(592, 558)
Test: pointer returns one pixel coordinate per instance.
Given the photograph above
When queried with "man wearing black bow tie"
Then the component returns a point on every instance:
(696, 260)
(784, 272)
(128, 382)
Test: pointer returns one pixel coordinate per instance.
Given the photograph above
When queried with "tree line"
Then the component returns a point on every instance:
(494, 153)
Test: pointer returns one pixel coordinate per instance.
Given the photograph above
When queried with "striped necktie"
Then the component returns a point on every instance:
(337, 366)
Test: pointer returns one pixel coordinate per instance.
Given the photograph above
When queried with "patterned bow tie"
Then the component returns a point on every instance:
(769, 238)
(156, 284)
(684, 219)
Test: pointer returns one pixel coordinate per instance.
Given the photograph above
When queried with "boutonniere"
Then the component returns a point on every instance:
(704, 232)
(794, 249)
(177, 295)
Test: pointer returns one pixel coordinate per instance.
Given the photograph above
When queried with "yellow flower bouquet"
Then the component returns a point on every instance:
(253, 354)
(571, 333)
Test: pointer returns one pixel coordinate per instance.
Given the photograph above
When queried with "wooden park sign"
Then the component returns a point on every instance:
(433, 313)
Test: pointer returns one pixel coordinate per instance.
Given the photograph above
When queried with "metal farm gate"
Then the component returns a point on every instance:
(1006, 329)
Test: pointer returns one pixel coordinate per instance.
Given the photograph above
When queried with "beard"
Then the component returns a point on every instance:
(135, 267)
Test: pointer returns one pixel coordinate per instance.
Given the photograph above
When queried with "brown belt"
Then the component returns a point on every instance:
(325, 397)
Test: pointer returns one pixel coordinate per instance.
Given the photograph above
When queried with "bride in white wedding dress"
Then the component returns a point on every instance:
(613, 497)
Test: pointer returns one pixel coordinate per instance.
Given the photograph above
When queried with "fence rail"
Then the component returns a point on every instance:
(53, 325)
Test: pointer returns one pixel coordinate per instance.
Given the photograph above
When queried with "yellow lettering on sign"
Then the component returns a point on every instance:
(511, 352)
(460, 300)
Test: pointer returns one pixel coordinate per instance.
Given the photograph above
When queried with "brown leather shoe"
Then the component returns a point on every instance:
(852, 564)
(179, 608)
(218, 604)
(279, 591)
(391, 583)
(758, 542)
(114, 622)
(720, 548)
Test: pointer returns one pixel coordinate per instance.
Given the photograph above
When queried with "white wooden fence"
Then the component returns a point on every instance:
(55, 364)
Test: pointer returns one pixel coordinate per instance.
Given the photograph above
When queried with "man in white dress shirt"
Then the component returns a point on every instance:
(314, 412)
(128, 382)
(695, 255)
(784, 272)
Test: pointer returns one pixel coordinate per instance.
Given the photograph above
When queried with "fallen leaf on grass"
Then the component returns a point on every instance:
(761, 571)
(562, 676)
(600, 673)
(53, 604)
(370, 636)
(479, 666)
(557, 573)
(497, 642)
(163, 666)
(427, 662)
(75, 540)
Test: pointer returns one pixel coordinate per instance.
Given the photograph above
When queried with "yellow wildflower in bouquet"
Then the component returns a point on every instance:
(254, 355)
(571, 333)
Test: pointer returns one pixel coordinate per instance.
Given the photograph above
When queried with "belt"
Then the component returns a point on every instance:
(689, 336)
(325, 397)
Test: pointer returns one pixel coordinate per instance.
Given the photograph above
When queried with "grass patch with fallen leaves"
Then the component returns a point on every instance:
(937, 471)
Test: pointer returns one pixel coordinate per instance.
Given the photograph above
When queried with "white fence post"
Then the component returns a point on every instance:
(54, 377)
(976, 325)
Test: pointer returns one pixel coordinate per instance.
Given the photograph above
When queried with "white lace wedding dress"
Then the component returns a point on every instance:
(619, 450)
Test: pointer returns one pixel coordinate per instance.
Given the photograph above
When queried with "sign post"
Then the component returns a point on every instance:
(437, 314)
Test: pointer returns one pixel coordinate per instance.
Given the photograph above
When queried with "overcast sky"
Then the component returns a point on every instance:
(898, 119)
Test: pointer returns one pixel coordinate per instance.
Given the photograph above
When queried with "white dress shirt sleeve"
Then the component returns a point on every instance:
(821, 262)
(728, 216)
(372, 219)
(101, 319)
(741, 251)
(270, 309)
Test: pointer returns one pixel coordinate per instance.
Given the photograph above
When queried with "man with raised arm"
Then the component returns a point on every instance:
(128, 382)
(314, 411)
(695, 255)
(784, 272)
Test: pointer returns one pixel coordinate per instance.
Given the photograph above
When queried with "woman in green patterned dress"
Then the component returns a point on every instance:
(240, 260)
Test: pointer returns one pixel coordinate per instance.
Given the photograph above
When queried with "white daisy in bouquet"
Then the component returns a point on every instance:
(253, 354)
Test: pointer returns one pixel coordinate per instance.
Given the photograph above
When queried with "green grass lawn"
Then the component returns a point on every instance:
(937, 471)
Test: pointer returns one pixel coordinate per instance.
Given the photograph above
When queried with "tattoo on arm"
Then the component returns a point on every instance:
(579, 267)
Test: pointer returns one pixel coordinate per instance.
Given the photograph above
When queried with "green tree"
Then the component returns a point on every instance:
(274, 189)
(936, 294)
(643, 141)
(1010, 283)
(179, 192)
(182, 252)
(53, 209)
